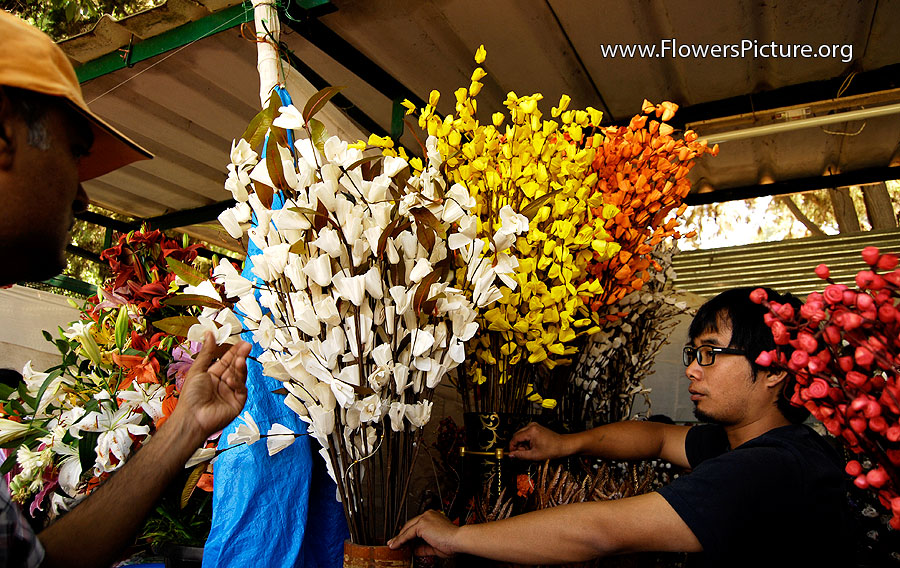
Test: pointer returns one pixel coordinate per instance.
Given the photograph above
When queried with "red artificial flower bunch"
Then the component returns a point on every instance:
(846, 365)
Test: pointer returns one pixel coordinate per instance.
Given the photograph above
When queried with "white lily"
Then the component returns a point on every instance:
(289, 118)
(197, 332)
(418, 414)
(200, 456)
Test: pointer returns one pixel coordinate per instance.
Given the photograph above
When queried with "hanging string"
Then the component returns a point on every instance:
(224, 25)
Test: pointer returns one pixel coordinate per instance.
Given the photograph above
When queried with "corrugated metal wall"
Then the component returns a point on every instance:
(785, 266)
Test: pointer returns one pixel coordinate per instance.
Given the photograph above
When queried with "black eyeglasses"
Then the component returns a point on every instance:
(706, 354)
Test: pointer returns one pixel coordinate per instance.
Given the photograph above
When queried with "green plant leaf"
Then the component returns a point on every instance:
(318, 134)
(317, 101)
(122, 327)
(47, 335)
(185, 271)
(9, 462)
(197, 300)
(176, 325)
(87, 455)
(260, 124)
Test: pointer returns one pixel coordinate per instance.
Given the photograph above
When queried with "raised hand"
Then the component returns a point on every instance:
(215, 390)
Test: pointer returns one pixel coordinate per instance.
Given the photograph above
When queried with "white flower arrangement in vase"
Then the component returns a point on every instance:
(355, 303)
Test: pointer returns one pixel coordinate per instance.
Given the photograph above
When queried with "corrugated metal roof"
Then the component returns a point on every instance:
(187, 104)
(785, 266)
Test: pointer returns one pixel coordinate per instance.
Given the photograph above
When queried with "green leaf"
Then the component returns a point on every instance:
(9, 462)
(198, 300)
(176, 325)
(185, 271)
(532, 208)
(317, 101)
(47, 335)
(192, 481)
(6, 390)
(318, 134)
(260, 124)
(44, 386)
(122, 327)
(87, 454)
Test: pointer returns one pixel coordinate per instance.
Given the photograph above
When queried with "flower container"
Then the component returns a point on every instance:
(363, 556)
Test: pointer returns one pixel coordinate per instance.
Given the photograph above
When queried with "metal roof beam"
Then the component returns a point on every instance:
(167, 41)
(799, 185)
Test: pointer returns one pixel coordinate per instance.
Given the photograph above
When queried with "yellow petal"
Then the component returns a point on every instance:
(480, 54)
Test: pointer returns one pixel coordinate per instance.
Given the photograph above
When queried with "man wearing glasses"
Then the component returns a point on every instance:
(764, 490)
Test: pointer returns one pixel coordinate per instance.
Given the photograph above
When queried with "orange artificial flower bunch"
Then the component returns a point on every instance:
(642, 170)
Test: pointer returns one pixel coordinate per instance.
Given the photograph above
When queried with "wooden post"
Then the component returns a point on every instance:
(879, 208)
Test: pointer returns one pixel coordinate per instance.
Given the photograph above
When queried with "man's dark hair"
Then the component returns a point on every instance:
(750, 334)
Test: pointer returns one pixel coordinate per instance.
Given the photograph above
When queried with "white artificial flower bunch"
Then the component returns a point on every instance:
(354, 300)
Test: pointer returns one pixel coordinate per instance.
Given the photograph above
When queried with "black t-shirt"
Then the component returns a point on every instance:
(776, 500)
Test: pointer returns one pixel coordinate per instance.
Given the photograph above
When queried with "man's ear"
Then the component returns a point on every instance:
(7, 131)
(773, 378)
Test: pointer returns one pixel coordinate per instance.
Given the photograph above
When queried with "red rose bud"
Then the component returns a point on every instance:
(859, 404)
(893, 433)
(895, 522)
(870, 255)
(807, 341)
(887, 313)
(834, 293)
(872, 409)
(853, 468)
(836, 394)
(823, 272)
(893, 456)
(845, 363)
(861, 482)
(878, 283)
(895, 505)
(799, 359)
(826, 411)
(764, 359)
(758, 296)
(863, 357)
(887, 262)
(893, 277)
(856, 378)
(780, 333)
(818, 388)
(878, 424)
(864, 301)
(812, 312)
(832, 334)
(848, 297)
(877, 477)
(858, 424)
(816, 365)
(786, 311)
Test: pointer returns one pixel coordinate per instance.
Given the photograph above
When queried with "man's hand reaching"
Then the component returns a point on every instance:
(536, 443)
(215, 390)
(430, 534)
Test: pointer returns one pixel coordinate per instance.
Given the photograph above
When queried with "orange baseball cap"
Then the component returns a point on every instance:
(30, 60)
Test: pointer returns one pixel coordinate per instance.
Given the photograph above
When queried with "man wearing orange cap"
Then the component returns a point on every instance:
(50, 142)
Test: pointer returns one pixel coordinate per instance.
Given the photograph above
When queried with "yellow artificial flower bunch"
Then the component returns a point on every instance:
(540, 168)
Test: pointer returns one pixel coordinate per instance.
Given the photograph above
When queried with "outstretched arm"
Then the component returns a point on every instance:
(96, 531)
(629, 440)
(568, 533)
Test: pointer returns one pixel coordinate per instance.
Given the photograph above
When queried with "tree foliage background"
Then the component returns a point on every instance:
(65, 18)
